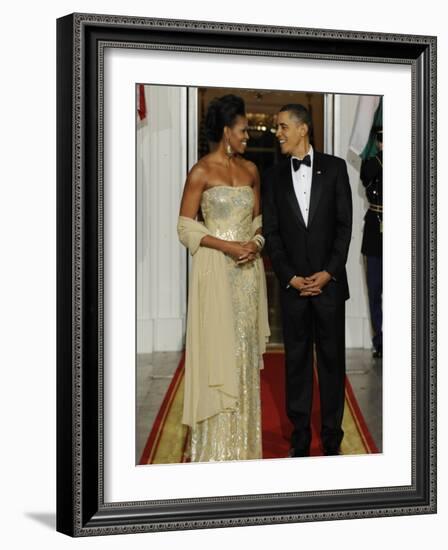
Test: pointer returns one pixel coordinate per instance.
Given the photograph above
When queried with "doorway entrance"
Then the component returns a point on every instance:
(263, 149)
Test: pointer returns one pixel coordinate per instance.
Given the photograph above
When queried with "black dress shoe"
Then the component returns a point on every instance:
(332, 451)
(298, 452)
(377, 354)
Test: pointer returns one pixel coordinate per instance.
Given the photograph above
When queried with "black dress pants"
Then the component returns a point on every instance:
(375, 289)
(309, 321)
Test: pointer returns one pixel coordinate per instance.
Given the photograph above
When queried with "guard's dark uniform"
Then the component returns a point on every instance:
(372, 244)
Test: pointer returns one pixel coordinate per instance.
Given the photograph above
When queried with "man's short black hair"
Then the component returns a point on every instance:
(301, 113)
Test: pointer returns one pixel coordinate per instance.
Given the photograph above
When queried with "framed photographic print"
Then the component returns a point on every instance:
(147, 110)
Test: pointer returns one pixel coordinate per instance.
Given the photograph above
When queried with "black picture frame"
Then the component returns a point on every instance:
(81, 510)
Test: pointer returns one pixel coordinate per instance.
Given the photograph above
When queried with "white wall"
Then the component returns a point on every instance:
(27, 277)
(358, 327)
(161, 259)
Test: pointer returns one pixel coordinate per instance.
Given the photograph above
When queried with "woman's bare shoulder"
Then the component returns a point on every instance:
(250, 167)
(203, 165)
(199, 170)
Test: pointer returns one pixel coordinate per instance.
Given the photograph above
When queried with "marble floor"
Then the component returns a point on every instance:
(155, 371)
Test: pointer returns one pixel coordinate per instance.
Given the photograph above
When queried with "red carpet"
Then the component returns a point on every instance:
(167, 440)
(277, 427)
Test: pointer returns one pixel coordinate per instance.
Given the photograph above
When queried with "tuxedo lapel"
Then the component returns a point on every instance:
(316, 185)
(290, 194)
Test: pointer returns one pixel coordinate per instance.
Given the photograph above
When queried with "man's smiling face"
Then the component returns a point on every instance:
(290, 132)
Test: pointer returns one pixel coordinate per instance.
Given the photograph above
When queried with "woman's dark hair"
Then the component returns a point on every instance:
(222, 111)
(301, 113)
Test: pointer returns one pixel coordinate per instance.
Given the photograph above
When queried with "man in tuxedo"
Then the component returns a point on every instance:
(307, 223)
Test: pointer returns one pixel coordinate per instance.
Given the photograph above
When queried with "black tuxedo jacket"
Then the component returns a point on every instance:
(297, 249)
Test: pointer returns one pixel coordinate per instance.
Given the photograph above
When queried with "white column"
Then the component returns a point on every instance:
(358, 331)
(161, 259)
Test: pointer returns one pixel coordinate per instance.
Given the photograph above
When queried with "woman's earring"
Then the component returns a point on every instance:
(229, 150)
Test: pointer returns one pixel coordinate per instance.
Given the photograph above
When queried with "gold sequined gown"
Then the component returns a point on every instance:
(235, 435)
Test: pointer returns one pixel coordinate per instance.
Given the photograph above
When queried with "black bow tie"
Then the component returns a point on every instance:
(297, 162)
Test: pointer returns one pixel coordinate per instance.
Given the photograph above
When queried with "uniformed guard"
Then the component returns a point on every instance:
(372, 241)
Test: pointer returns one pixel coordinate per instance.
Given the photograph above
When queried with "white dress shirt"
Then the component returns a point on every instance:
(302, 188)
(302, 185)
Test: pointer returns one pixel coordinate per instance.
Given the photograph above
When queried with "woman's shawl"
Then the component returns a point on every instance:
(211, 384)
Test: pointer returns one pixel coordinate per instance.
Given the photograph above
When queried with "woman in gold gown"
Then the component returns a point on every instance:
(227, 326)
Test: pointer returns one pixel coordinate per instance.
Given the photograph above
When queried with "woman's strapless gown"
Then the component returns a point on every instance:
(235, 435)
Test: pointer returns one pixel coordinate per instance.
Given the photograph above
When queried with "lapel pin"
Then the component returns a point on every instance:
(318, 172)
